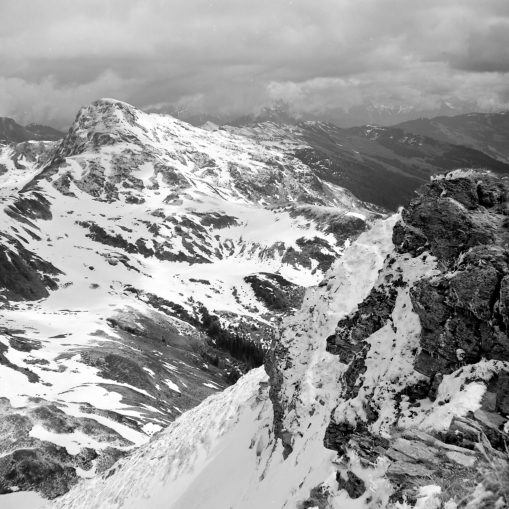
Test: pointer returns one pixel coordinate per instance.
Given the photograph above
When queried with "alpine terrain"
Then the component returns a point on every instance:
(145, 265)
(388, 388)
(148, 268)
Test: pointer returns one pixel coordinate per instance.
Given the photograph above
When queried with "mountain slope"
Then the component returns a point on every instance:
(259, 474)
(390, 385)
(143, 264)
(382, 165)
(45, 132)
(487, 132)
(10, 132)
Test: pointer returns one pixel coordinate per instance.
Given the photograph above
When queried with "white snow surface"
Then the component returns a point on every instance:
(22, 500)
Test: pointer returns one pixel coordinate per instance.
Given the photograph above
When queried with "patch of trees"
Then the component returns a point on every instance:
(239, 347)
(268, 293)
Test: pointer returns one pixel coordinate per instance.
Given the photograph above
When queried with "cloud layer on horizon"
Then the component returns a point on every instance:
(233, 56)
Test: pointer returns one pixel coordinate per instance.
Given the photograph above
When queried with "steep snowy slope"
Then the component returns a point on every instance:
(119, 248)
(377, 392)
(227, 453)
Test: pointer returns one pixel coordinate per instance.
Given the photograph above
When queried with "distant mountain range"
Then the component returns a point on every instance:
(11, 131)
(488, 132)
(366, 113)
(379, 163)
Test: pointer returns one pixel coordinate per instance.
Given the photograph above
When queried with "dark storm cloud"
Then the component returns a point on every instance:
(234, 55)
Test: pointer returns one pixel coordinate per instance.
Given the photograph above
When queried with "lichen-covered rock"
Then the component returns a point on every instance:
(448, 226)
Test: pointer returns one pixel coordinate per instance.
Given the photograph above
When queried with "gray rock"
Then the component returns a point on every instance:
(353, 485)
(489, 401)
(412, 469)
(416, 450)
(407, 240)
(461, 459)
(502, 403)
(395, 455)
(490, 419)
(448, 227)
(432, 441)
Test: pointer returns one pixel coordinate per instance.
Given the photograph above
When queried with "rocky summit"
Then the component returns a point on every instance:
(388, 388)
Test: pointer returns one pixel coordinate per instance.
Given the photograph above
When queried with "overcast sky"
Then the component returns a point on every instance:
(228, 56)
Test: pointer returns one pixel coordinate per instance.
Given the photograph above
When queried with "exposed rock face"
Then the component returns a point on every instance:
(24, 275)
(463, 309)
(433, 326)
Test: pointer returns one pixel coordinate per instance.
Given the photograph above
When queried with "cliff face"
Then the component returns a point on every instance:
(451, 376)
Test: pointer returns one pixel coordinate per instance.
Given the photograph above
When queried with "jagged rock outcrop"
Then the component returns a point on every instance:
(459, 221)
(23, 274)
(463, 309)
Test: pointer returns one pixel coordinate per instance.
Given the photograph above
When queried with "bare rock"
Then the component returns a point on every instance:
(407, 240)
(412, 469)
(416, 450)
(502, 399)
(353, 485)
(461, 459)
(447, 226)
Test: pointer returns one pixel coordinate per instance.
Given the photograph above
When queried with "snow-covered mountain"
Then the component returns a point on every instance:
(142, 262)
(389, 386)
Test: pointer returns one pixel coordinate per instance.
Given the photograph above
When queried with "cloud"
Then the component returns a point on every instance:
(57, 105)
(232, 56)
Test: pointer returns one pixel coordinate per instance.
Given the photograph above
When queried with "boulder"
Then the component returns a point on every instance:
(416, 450)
